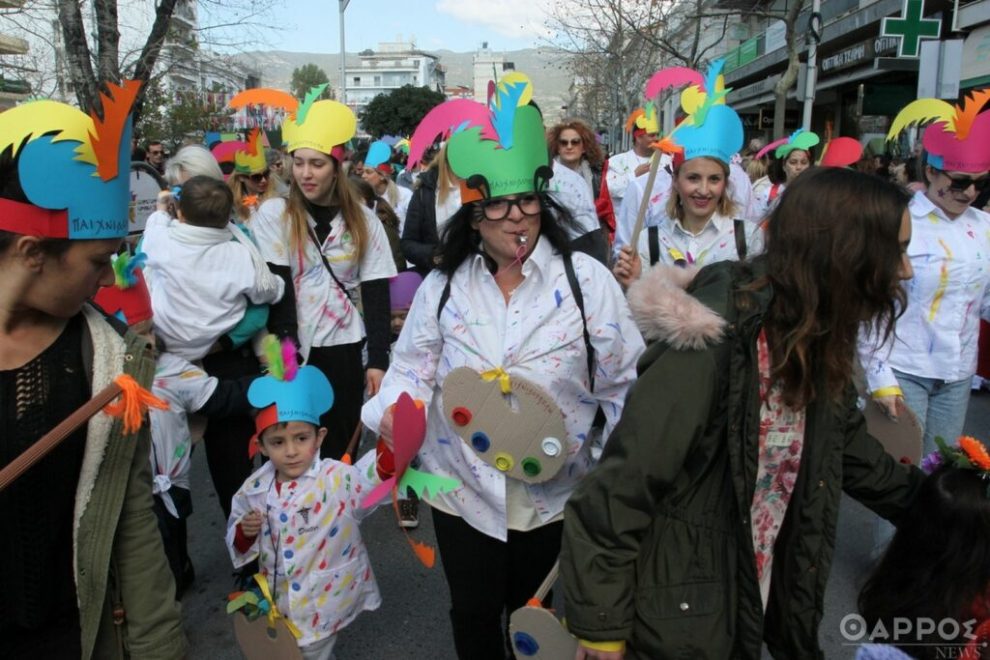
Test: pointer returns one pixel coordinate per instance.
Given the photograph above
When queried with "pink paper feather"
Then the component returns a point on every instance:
(376, 494)
(773, 145)
(289, 359)
(224, 152)
(674, 76)
(409, 431)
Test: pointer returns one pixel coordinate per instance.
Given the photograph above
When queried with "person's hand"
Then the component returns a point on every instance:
(251, 524)
(584, 653)
(165, 202)
(628, 266)
(385, 427)
(888, 404)
(642, 169)
(374, 379)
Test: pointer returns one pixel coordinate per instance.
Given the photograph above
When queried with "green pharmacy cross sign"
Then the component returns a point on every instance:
(911, 27)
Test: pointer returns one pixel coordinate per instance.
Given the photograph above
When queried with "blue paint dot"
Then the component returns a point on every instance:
(525, 644)
(295, 586)
(559, 298)
(480, 442)
(289, 554)
(284, 518)
(333, 531)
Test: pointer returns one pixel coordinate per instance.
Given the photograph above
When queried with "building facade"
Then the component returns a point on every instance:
(393, 65)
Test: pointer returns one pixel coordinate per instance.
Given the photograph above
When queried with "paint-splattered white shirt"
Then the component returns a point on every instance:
(326, 316)
(538, 336)
(310, 547)
(938, 334)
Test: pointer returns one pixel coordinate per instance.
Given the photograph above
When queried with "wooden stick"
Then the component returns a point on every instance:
(50, 440)
(645, 202)
(348, 457)
(547, 583)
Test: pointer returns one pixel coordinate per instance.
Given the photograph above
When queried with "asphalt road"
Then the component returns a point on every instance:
(412, 622)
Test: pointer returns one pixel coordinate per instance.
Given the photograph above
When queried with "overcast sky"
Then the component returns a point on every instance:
(458, 25)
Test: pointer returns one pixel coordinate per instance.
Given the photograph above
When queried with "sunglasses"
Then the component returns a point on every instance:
(260, 176)
(962, 183)
(498, 209)
(573, 142)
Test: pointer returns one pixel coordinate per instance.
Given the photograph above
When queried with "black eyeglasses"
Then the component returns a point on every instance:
(962, 183)
(499, 209)
(260, 176)
(573, 142)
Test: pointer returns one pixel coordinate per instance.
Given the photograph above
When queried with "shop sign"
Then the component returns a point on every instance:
(859, 53)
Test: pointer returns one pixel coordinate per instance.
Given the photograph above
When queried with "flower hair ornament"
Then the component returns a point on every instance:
(87, 155)
(968, 454)
(959, 138)
(496, 149)
(324, 126)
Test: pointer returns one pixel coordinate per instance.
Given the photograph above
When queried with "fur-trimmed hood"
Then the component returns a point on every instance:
(665, 311)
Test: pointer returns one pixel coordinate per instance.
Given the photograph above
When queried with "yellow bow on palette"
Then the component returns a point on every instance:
(273, 613)
(503, 378)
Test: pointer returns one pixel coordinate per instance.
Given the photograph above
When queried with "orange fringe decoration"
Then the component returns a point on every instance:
(133, 403)
(975, 452)
(110, 129)
(426, 554)
(967, 112)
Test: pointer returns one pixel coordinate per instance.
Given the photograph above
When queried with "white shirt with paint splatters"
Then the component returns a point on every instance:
(186, 388)
(938, 334)
(537, 335)
(326, 316)
(310, 547)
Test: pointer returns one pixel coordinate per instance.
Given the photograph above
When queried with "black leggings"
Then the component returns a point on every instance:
(488, 577)
(343, 368)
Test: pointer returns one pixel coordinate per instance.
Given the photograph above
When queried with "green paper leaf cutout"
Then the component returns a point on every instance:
(248, 598)
(311, 96)
(507, 171)
(425, 484)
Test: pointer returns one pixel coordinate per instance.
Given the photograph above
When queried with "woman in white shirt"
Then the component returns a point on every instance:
(334, 251)
(378, 172)
(509, 302)
(792, 155)
(931, 359)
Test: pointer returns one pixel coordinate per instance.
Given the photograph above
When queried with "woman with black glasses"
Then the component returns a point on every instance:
(931, 359)
(512, 337)
(251, 180)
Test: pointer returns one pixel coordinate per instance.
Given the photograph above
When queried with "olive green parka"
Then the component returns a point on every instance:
(657, 547)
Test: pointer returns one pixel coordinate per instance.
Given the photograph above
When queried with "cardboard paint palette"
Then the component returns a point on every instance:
(902, 438)
(529, 444)
(536, 633)
(259, 642)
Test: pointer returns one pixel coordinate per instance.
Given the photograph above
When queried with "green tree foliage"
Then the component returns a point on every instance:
(399, 111)
(306, 77)
(185, 115)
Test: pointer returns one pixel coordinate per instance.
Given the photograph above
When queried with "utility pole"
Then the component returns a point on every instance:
(811, 79)
(343, 53)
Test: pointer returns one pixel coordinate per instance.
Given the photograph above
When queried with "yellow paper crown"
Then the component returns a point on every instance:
(251, 160)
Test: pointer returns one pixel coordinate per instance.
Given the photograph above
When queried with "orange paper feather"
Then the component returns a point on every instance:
(107, 132)
(966, 113)
(633, 116)
(274, 98)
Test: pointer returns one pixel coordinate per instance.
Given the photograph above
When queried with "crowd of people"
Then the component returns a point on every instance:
(647, 369)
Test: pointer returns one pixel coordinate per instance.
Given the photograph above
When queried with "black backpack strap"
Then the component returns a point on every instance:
(739, 227)
(579, 300)
(653, 236)
(444, 296)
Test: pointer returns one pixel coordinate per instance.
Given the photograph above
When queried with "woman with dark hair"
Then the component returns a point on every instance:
(510, 312)
(83, 571)
(791, 156)
(573, 144)
(334, 250)
(937, 566)
(708, 527)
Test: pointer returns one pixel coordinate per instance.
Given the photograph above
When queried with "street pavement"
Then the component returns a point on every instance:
(412, 622)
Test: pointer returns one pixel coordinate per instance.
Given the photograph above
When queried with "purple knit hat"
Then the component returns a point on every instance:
(402, 288)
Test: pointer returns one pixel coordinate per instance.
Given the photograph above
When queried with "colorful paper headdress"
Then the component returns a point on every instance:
(288, 393)
(321, 125)
(841, 152)
(799, 139)
(959, 138)
(711, 128)
(73, 167)
(968, 454)
(379, 155)
(250, 157)
(496, 149)
(127, 298)
(643, 120)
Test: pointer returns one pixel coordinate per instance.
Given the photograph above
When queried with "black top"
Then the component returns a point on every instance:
(36, 511)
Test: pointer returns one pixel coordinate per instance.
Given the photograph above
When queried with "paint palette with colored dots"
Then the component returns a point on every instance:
(521, 434)
(537, 634)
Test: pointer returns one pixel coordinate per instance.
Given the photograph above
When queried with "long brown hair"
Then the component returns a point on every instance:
(592, 152)
(239, 188)
(834, 262)
(343, 196)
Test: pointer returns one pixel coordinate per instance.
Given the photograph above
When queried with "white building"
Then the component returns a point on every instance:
(488, 65)
(393, 65)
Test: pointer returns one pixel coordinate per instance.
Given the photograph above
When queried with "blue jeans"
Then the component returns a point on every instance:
(940, 407)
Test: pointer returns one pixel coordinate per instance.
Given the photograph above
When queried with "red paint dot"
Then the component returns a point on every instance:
(290, 540)
(461, 416)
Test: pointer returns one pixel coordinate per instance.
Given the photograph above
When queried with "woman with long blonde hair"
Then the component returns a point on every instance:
(336, 254)
(251, 181)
